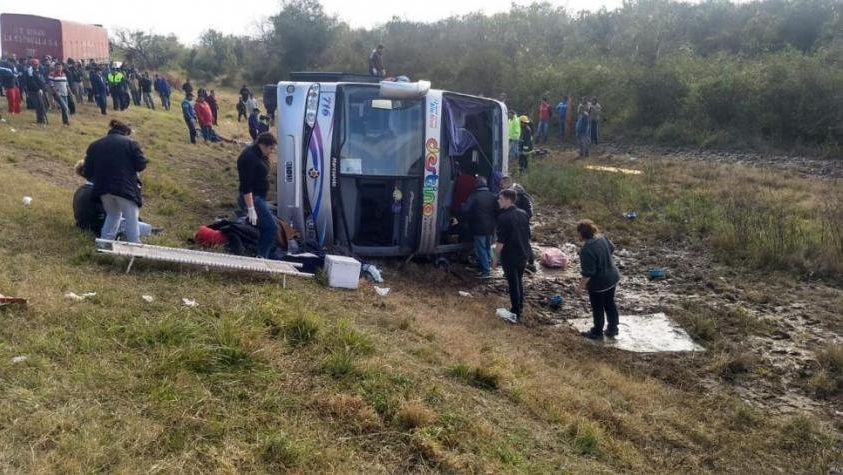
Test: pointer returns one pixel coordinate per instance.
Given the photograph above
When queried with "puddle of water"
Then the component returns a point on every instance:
(645, 334)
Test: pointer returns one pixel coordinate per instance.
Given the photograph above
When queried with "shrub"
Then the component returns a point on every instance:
(339, 363)
(352, 410)
(829, 381)
(586, 436)
(413, 414)
(803, 433)
(280, 451)
(346, 338)
(701, 326)
(484, 378)
(302, 329)
(733, 367)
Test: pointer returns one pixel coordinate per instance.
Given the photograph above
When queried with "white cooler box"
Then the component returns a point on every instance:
(342, 272)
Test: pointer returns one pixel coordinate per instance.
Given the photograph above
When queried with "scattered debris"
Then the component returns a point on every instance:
(79, 298)
(19, 359)
(8, 301)
(372, 272)
(505, 314)
(343, 272)
(27, 200)
(625, 171)
(657, 273)
(555, 302)
(645, 334)
(189, 303)
(631, 216)
(198, 258)
(382, 291)
(463, 293)
(148, 298)
(553, 258)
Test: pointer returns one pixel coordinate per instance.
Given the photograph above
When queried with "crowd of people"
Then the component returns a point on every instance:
(523, 136)
(47, 84)
(507, 215)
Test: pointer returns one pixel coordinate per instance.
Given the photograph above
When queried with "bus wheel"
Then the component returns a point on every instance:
(442, 263)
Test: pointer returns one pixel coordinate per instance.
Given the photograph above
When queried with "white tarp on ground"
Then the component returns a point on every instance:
(645, 334)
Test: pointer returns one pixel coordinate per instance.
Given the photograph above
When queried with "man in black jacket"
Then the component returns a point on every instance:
(89, 213)
(513, 249)
(146, 90)
(479, 212)
(36, 86)
(253, 168)
(112, 164)
(376, 62)
(523, 202)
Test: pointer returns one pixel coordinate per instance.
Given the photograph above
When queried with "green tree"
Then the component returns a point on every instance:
(146, 50)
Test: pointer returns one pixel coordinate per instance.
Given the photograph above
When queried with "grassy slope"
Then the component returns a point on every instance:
(261, 378)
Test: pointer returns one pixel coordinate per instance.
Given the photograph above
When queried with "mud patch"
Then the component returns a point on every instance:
(654, 333)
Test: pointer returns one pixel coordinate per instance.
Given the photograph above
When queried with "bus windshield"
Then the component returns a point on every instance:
(380, 137)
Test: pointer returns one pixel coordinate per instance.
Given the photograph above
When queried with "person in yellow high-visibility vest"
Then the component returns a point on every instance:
(514, 133)
(115, 79)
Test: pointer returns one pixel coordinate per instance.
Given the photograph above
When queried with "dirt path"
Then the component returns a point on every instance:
(806, 166)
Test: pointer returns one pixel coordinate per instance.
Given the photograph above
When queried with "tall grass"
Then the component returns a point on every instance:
(745, 216)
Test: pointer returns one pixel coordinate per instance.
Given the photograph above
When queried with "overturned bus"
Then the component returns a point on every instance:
(371, 166)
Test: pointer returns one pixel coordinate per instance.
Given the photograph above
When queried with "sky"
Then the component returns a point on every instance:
(188, 21)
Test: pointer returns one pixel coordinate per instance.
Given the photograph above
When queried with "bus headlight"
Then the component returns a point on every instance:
(312, 105)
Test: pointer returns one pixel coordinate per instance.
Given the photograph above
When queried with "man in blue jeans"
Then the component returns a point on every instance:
(253, 171)
(99, 89)
(479, 212)
(189, 114)
(562, 112)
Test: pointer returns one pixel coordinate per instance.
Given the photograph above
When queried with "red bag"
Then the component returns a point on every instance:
(553, 258)
(208, 237)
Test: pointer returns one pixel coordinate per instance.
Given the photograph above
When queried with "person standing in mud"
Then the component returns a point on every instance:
(583, 129)
(600, 277)
(594, 116)
(513, 250)
(524, 202)
(479, 212)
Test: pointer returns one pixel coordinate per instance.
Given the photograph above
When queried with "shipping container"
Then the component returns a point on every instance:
(37, 36)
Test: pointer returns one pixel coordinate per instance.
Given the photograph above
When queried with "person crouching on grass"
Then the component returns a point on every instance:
(253, 169)
(112, 164)
(89, 213)
(600, 277)
(513, 249)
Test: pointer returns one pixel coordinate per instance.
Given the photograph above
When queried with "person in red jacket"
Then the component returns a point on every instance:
(463, 186)
(205, 118)
(545, 111)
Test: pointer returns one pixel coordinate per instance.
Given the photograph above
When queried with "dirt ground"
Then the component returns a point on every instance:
(802, 165)
(768, 327)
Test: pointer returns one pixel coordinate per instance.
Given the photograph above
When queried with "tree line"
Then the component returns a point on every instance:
(713, 74)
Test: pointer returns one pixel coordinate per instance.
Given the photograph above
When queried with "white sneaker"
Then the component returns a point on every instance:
(506, 315)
